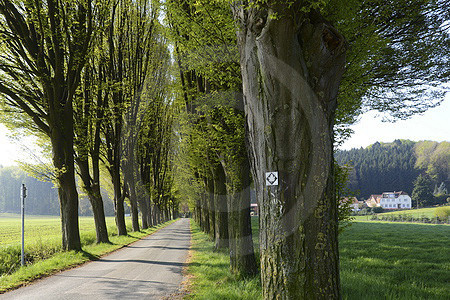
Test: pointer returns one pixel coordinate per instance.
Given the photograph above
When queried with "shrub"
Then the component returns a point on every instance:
(9, 259)
(377, 209)
(442, 213)
(408, 217)
(425, 219)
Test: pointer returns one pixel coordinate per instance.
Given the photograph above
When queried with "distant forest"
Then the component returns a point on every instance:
(42, 198)
(384, 167)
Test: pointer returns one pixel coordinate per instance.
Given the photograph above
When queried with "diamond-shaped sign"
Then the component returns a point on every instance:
(271, 178)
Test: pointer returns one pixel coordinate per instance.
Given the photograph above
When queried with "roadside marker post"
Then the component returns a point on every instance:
(23, 193)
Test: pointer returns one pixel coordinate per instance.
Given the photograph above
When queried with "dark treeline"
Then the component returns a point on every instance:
(395, 166)
(42, 197)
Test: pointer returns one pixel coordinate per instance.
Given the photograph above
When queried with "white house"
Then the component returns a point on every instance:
(395, 200)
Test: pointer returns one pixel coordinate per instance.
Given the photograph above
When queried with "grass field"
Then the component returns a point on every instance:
(43, 246)
(395, 261)
(416, 213)
(40, 227)
(378, 261)
(426, 212)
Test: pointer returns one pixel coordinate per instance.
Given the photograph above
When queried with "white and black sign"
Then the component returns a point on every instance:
(271, 178)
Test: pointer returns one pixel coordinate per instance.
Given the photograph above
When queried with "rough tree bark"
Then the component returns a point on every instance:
(292, 62)
(209, 183)
(205, 212)
(242, 255)
(220, 204)
(61, 136)
(89, 127)
(92, 189)
(118, 198)
(130, 183)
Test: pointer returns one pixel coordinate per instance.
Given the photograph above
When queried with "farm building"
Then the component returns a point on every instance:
(390, 200)
(373, 201)
(395, 200)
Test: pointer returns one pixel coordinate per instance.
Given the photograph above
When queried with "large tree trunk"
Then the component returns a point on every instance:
(150, 214)
(198, 213)
(99, 214)
(130, 182)
(95, 198)
(220, 204)
(242, 255)
(61, 136)
(205, 212)
(118, 201)
(142, 203)
(291, 67)
(209, 182)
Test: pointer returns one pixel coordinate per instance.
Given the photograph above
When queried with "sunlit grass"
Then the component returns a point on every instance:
(38, 227)
(378, 261)
(212, 279)
(395, 261)
(417, 213)
(428, 212)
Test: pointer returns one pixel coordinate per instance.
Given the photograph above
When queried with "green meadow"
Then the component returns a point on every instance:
(379, 260)
(417, 213)
(428, 212)
(41, 228)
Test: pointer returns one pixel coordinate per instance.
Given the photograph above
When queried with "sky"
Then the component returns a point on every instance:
(433, 125)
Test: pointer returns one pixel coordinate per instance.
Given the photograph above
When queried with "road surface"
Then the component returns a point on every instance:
(147, 269)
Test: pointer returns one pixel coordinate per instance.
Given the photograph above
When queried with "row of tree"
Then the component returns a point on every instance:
(263, 86)
(303, 81)
(396, 166)
(90, 79)
(213, 169)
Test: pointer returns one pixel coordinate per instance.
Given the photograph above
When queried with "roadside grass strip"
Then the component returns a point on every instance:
(44, 255)
(379, 260)
(210, 273)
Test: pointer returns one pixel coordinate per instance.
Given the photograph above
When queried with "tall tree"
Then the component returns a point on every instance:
(139, 64)
(44, 48)
(422, 193)
(292, 63)
(89, 116)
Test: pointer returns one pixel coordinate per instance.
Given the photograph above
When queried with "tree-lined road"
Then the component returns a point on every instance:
(148, 269)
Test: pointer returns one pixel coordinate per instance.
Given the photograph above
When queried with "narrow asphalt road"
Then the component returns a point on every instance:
(148, 269)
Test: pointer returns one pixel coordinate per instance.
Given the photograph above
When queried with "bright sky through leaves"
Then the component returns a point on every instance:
(433, 125)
